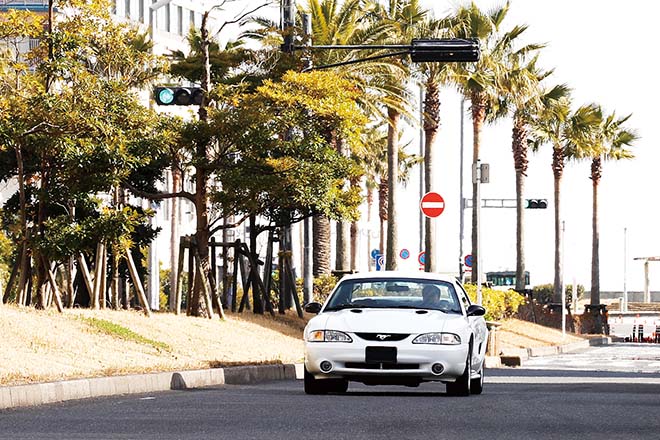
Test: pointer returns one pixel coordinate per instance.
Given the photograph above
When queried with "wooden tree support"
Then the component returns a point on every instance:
(137, 283)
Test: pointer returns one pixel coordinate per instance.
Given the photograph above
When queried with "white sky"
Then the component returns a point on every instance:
(604, 51)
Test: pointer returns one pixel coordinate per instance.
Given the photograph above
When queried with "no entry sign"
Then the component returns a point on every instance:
(432, 204)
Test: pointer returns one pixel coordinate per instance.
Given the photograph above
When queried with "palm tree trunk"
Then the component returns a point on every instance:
(392, 179)
(596, 172)
(431, 126)
(557, 171)
(383, 189)
(321, 254)
(519, 145)
(520, 234)
(478, 117)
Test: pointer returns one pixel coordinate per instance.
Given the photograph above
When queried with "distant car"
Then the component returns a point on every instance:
(395, 328)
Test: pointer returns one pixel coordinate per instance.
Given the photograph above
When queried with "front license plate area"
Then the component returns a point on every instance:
(380, 355)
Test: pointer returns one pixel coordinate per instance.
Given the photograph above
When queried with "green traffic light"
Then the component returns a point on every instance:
(166, 96)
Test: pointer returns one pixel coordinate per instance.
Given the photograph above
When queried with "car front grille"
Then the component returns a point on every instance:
(383, 337)
(381, 366)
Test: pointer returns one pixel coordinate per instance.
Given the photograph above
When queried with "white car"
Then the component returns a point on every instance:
(395, 328)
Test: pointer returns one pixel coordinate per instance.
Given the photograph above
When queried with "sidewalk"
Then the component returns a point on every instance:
(53, 392)
(516, 357)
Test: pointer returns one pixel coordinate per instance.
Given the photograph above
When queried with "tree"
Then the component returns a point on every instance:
(522, 92)
(401, 17)
(610, 142)
(66, 144)
(570, 135)
(480, 82)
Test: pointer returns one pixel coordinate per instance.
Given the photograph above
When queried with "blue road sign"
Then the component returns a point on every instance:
(421, 257)
(380, 261)
(468, 260)
(404, 254)
(374, 253)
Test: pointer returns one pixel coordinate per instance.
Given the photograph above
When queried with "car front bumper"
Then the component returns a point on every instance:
(413, 361)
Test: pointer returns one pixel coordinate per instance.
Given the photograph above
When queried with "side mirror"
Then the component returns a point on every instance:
(476, 310)
(313, 307)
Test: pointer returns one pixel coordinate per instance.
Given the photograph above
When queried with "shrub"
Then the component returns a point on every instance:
(544, 293)
(499, 304)
(323, 285)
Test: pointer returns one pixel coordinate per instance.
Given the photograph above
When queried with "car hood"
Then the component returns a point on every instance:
(386, 320)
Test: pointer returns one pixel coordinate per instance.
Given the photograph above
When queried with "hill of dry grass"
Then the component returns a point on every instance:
(39, 346)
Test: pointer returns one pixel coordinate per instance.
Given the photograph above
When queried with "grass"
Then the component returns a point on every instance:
(118, 331)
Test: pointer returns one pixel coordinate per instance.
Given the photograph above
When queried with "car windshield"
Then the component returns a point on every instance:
(395, 293)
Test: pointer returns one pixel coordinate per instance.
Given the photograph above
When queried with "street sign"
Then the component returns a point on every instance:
(404, 254)
(421, 258)
(468, 260)
(374, 253)
(432, 204)
(380, 262)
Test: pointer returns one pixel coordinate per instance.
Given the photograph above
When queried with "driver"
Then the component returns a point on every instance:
(430, 296)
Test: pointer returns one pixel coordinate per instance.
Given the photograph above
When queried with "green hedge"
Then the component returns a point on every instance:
(499, 304)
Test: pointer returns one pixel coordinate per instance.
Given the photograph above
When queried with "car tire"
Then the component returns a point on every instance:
(477, 385)
(313, 385)
(461, 387)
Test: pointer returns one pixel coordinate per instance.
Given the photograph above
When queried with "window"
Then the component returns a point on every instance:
(179, 20)
(141, 11)
(127, 8)
(168, 17)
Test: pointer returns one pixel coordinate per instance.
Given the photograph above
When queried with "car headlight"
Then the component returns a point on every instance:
(328, 336)
(437, 338)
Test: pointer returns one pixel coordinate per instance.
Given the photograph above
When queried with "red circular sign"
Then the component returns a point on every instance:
(432, 204)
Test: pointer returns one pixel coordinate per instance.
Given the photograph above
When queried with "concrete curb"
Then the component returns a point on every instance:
(516, 357)
(52, 392)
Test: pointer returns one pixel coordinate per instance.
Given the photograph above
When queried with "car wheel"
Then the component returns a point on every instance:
(313, 385)
(462, 385)
(477, 385)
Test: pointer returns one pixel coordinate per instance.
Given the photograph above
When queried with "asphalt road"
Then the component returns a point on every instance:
(516, 404)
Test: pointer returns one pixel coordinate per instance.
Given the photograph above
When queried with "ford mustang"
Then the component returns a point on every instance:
(395, 328)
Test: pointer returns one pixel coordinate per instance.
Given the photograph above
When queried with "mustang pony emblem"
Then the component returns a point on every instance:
(383, 337)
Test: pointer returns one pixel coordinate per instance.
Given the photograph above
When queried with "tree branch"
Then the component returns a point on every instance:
(158, 196)
(223, 226)
(241, 16)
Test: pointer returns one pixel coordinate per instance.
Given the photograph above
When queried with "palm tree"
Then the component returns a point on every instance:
(340, 24)
(480, 82)
(612, 141)
(401, 17)
(374, 162)
(570, 134)
(433, 76)
(522, 92)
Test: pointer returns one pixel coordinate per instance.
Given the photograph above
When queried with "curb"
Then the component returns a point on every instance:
(53, 392)
(516, 357)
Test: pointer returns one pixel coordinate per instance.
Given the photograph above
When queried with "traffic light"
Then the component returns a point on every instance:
(444, 50)
(536, 203)
(178, 95)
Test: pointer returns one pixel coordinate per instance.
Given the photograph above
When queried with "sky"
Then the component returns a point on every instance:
(604, 50)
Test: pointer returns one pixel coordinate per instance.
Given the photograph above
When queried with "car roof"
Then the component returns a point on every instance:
(431, 276)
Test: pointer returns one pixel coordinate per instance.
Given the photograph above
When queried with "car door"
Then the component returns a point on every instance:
(477, 324)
